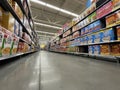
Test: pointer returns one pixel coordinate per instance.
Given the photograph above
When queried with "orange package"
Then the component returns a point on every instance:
(115, 49)
(116, 4)
(118, 33)
(105, 49)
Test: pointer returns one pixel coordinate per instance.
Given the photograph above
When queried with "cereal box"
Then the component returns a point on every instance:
(118, 33)
(111, 20)
(91, 38)
(97, 25)
(97, 49)
(91, 50)
(108, 35)
(116, 4)
(117, 17)
(115, 49)
(105, 49)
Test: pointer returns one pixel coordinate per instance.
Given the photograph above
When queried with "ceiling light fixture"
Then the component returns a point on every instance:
(45, 32)
(46, 25)
(54, 7)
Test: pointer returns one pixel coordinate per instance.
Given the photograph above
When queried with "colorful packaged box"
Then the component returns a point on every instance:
(105, 49)
(8, 21)
(106, 9)
(15, 45)
(85, 40)
(97, 25)
(108, 35)
(86, 30)
(117, 15)
(91, 38)
(115, 49)
(116, 4)
(91, 50)
(82, 31)
(97, 49)
(1, 14)
(91, 27)
(7, 43)
(98, 37)
(93, 16)
(111, 20)
(118, 33)
(1, 41)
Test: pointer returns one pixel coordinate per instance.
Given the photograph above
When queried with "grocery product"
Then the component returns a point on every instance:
(91, 38)
(86, 30)
(91, 27)
(105, 49)
(1, 40)
(117, 17)
(96, 49)
(104, 10)
(115, 49)
(111, 20)
(82, 31)
(15, 45)
(93, 17)
(91, 50)
(118, 33)
(116, 4)
(7, 43)
(0, 16)
(76, 34)
(108, 35)
(97, 25)
(8, 21)
(98, 37)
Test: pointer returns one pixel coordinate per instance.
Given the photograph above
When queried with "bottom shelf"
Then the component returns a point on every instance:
(103, 57)
(16, 55)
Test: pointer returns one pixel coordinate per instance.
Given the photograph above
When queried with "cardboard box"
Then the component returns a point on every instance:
(1, 41)
(108, 35)
(115, 49)
(91, 38)
(111, 20)
(105, 49)
(97, 25)
(107, 8)
(15, 45)
(97, 49)
(1, 14)
(118, 33)
(91, 50)
(8, 21)
(117, 15)
(7, 42)
(116, 4)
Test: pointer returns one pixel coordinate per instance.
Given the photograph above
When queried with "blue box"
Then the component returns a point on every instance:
(97, 26)
(97, 49)
(91, 38)
(91, 49)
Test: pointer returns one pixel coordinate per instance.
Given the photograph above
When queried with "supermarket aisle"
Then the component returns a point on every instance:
(65, 72)
(22, 74)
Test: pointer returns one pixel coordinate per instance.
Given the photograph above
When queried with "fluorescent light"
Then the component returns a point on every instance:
(55, 8)
(45, 32)
(46, 25)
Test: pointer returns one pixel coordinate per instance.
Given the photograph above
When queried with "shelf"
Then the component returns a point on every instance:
(97, 19)
(16, 55)
(10, 9)
(89, 14)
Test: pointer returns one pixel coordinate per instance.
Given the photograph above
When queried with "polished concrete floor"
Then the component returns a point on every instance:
(52, 71)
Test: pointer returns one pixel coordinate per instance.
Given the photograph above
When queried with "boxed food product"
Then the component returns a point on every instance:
(86, 30)
(1, 41)
(115, 49)
(108, 35)
(118, 33)
(97, 25)
(116, 4)
(76, 34)
(15, 45)
(105, 49)
(8, 21)
(107, 8)
(91, 38)
(82, 31)
(93, 17)
(97, 49)
(85, 40)
(117, 17)
(91, 27)
(91, 50)
(111, 20)
(16, 28)
(7, 43)
(98, 37)
(1, 16)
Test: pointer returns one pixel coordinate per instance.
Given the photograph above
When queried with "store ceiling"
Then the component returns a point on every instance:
(43, 14)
